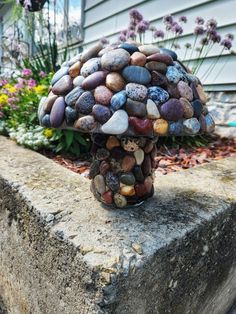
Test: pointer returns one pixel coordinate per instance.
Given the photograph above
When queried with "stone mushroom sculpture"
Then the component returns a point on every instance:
(126, 96)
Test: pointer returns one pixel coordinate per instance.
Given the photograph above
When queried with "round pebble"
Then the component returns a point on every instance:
(85, 124)
(118, 100)
(160, 127)
(185, 91)
(127, 178)
(101, 113)
(191, 126)
(112, 181)
(172, 110)
(93, 80)
(127, 190)
(85, 103)
(128, 163)
(71, 98)
(120, 200)
(99, 184)
(141, 126)
(135, 108)
(115, 60)
(90, 67)
(70, 115)
(148, 50)
(136, 74)
(169, 52)
(102, 95)
(63, 86)
(136, 91)
(156, 66)
(152, 111)
(115, 82)
(117, 124)
(161, 57)
(138, 58)
(187, 107)
(74, 70)
(197, 108)
(129, 47)
(158, 95)
(139, 156)
(112, 142)
(57, 113)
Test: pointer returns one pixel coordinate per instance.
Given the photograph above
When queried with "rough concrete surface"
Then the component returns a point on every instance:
(62, 252)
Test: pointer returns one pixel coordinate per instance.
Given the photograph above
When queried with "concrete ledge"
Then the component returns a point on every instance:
(61, 252)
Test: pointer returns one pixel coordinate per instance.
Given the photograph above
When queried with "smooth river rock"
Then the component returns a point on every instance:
(101, 113)
(94, 80)
(187, 107)
(74, 70)
(63, 86)
(157, 94)
(59, 74)
(115, 82)
(191, 126)
(57, 112)
(197, 107)
(136, 74)
(91, 66)
(160, 127)
(71, 115)
(129, 47)
(170, 53)
(152, 111)
(85, 124)
(102, 95)
(161, 57)
(91, 52)
(172, 110)
(141, 126)
(135, 108)
(71, 98)
(173, 75)
(148, 50)
(117, 124)
(85, 103)
(185, 91)
(138, 58)
(156, 66)
(118, 100)
(136, 91)
(115, 60)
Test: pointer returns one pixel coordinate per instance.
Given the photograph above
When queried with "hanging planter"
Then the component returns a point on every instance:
(32, 5)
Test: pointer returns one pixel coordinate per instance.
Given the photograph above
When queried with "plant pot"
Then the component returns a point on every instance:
(36, 5)
(122, 171)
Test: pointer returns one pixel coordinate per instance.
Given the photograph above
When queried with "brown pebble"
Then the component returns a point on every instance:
(138, 58)
(160, 127)
(104, 167)
(127, 190)
(74, 70)
(128, 163)
(49, 102)
(148, 147)
(102, 95)
(115, 82)
(188, 108)
(112, 142)
(147, 166)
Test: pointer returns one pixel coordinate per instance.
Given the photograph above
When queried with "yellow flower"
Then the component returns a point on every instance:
(7, 86)
(3, 99)
(40, 89)
(12, 89)
(48, 133)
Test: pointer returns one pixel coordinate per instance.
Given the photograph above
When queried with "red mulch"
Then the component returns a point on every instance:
(168, 160)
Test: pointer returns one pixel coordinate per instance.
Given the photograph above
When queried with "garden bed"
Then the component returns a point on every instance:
(168, 159)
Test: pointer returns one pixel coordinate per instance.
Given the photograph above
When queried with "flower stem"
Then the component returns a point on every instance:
(194, 44)
(210, 69)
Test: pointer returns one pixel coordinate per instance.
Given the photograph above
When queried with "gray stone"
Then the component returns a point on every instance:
(173, 254)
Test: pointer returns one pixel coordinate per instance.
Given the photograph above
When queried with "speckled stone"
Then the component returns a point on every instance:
(156, 66)
(176, 128)
(118, 100)
(115, 82)
(160, 127)
(99, 184)
(129, 47)
(103, 95)
(120, 200)
(94, 80)
(127, 178)
(136, 74)
(78, 80)
(59, 74)
(91, 66)
(148, 50)
(161, 57)
(85, 124)
(136, 91)
(74, 70)
(91, 52)
(172, 110)
(130, 144)
(101, 113)
(117, 124)
(102, 153)
(139, 156)
(173, 75)
(170, 53)
(135, 108)
(63, 86)
(57, 112)
(141, 126)
(197, 107)
(152, 111)
(138, 58)
(187, 107)
(191, 126)
(71, 98)
(115, 60)
(185, 91)
(85, 103)
(128, 163)
(70, 115)
(157, 94)
(94, 169)
(158, 79)
(112, 142)
(112, 181)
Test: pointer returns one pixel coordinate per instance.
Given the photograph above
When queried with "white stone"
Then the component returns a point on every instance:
(152, 111)
(117, 124)
(148, 49)
(139, 156)
(78, 80)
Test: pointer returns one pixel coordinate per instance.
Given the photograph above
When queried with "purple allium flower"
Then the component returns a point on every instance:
(214, 36)
(122, 37)
(142, 27)
(104, 40)
(199, 20)
(188, 45)
(199, 30)
(204, 41)
(159, 34)
(183, 19)
(229, 36)
(124, 32)
(212, 23)
(168, 27)
(177, 29)
(42, 74)
(131, 34)
(227, 43)
(152, 28)
(168, 19)
(26, 72)
(132, 25)
(136, 15)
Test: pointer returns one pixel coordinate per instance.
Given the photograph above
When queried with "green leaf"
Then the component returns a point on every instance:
(69, 138)
(60, 147)
(79, 138)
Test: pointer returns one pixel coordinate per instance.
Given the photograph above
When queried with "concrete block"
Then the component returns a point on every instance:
(62, 252)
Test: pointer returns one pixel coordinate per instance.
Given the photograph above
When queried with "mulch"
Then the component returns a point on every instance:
(168, 159)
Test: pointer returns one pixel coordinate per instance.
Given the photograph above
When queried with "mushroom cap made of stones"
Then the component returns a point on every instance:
(127, 89)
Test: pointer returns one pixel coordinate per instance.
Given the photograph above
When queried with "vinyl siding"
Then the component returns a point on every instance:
(109, 17)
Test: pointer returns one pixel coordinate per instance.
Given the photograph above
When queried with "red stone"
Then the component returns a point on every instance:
(148, 182)
(107, 197)
(160, 57)
(140, 189)
(141, 126)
